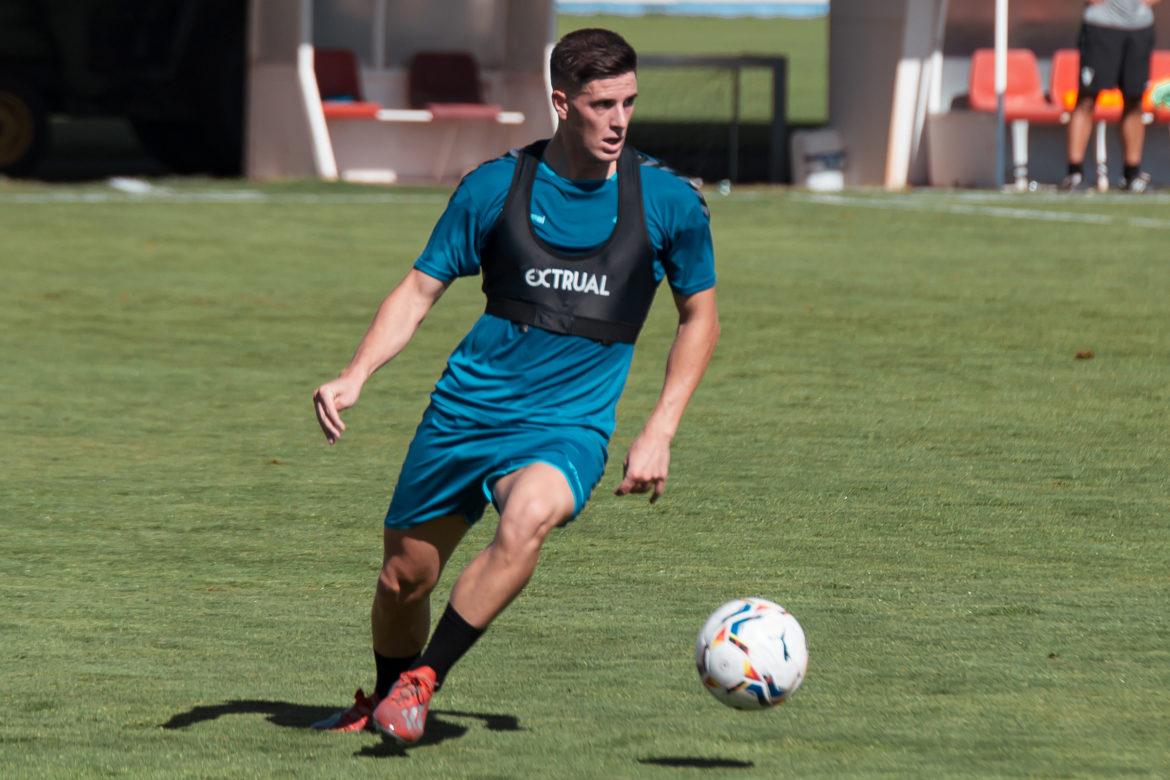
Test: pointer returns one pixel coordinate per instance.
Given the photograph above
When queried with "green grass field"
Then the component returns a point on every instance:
(702, 94)
(894, 440)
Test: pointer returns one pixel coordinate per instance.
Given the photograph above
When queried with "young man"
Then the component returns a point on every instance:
(1117, 37)
(572, 236)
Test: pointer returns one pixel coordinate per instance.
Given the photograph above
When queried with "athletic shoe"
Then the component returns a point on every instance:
(356, 718)
(1073, 182)
(1138, 184)
(403, 713)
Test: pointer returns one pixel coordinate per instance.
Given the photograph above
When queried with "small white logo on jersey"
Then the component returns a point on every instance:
(537, 218)
(564, 279)
(1086, 76)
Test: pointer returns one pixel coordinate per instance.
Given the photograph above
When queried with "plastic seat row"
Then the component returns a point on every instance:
(444, 89)
(1026, 101)
(442, 85)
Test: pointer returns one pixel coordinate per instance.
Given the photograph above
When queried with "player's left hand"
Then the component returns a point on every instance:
(646, 466)
(331, 399)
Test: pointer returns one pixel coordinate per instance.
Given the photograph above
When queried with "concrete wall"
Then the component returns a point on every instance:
(865, 40)
(883, 68)
(278, 140)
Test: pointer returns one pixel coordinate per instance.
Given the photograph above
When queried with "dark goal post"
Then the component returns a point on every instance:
(778, 128)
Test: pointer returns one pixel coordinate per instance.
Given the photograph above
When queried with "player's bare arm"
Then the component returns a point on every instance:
(648, 462)
(395, 323)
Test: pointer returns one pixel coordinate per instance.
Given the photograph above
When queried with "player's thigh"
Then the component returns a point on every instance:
(418, 554)
(1135, 67)
(579, 455)
(442, 473)
(533, 499)
(1102, 52)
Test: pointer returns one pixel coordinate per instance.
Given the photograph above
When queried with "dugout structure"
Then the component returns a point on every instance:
(388, 132)
(900, 91)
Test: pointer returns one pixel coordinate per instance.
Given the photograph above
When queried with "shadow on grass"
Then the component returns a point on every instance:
(282, 713)
(302, 716)
(697, 763)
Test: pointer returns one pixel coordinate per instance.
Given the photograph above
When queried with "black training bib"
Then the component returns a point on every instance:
(602, 293)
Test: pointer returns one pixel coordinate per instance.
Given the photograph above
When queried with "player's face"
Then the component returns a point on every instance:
(597, 117)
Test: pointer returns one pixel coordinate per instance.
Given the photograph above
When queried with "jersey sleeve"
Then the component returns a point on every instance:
(687, 254)
(453, 249)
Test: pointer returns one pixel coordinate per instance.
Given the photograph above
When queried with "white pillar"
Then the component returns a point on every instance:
(323, 158)
(916, 79)
(1001, 45)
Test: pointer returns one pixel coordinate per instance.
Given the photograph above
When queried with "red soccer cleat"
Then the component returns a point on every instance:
(356, 718)
(403, 713)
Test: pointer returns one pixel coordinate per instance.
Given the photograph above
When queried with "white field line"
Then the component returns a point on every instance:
(223, 196)
(1088, 197)
(934, 206)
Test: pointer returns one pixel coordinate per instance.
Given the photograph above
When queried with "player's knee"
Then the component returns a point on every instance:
(527, 521)
(402, 583)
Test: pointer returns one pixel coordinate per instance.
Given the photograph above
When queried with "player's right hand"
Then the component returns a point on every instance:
(330, 399)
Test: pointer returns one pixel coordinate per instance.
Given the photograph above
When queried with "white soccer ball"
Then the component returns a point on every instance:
(751, 654)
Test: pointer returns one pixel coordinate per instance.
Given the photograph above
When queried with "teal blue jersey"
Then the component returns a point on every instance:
(504, 374)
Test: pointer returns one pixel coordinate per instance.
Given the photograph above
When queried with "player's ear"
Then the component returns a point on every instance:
(560, 102)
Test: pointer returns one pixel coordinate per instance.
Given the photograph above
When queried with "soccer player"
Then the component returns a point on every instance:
(572, 235)
(1116, 39)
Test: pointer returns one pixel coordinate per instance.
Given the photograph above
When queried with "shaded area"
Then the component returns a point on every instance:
(438, 730)
(282, 713)
(173, 71)
(491, 722)
(701, 149)
(302, 716)
(697, 763)
(94, 148)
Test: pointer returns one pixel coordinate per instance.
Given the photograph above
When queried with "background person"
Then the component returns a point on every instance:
(1116, 40)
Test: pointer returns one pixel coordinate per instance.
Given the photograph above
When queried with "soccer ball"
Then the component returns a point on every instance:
(751, 654)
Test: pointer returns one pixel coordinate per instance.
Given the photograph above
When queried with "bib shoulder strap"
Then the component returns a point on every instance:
(520, 190)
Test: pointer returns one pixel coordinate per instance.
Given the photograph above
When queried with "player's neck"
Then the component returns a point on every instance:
(572, 162)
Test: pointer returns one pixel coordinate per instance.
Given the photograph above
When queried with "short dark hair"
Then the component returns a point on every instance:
(592, 53)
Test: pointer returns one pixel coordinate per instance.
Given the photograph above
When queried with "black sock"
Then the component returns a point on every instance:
(1076, 168)
(1131, 172)
(388, 671)
(453, 637)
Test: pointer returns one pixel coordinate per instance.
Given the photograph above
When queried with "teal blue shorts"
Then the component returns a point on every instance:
(452, 465)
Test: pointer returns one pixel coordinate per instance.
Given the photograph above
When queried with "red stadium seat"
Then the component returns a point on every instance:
(447, 84)
(1024, 97)
(1024, 101)
(339, 85)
